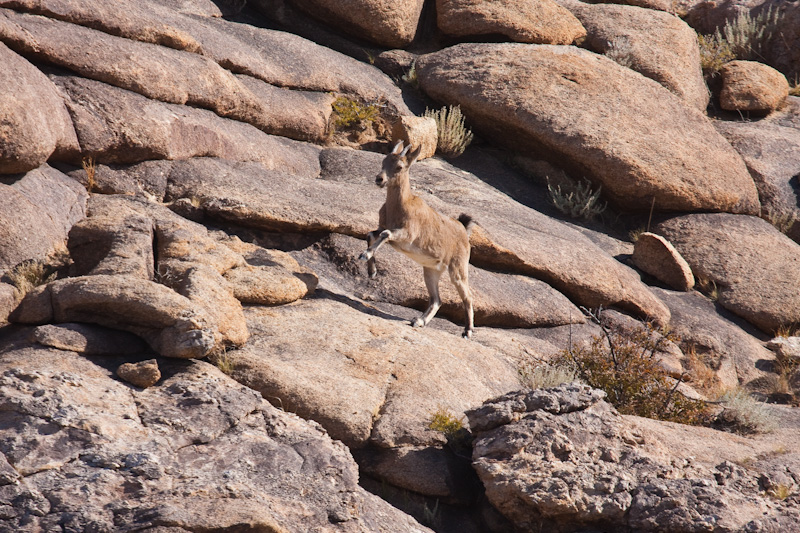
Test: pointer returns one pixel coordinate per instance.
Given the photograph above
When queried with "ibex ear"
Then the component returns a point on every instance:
(414, 154)
(398, 147)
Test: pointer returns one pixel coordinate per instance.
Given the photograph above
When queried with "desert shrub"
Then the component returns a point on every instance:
(624, 364)
(349, 112)
(748, 36)
(635, 233)
(29, 274)
(454, 136)
(619, 50)
(714, 53)
(582, 202)
(744, 414)
(446, 423)
(540, 375)
(743, 37)
(458, 436)
(794, 90)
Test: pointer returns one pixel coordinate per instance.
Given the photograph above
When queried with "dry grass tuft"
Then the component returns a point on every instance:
(89, 166)
(30, 274)
(454, 136)
(539, 375)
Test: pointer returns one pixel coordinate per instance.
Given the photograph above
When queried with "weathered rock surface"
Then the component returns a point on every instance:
(656, 256)
(564, 458)
(142, 374)
(158, 72)
(588, 112)
(170, 323)
(118, 126)
(88, 339)
(755, 267)
(33, 120)
(769, 150)
(500, 300)
(366, 376)
(787, 348)
(153, 458)
(249, 195)
(38, 211)
(656, 44)
(114, 241)
(752, 86)
(278, 58)
(541, 22)
(734, 355)
(265, 286)
(387, 23)
(9, 298)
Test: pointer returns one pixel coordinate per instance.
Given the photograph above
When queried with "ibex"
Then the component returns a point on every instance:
(436, 242)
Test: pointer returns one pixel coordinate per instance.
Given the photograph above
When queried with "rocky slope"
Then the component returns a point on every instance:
(189, 343)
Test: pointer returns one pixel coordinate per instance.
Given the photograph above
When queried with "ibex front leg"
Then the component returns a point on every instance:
(383, 236)
(372, 269)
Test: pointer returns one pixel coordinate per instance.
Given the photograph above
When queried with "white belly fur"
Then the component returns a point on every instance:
(419, 256)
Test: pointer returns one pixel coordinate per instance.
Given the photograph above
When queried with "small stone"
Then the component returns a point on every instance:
(655, 255)
(752, 86)
(143, 374)
(785, 347)
(417, 131)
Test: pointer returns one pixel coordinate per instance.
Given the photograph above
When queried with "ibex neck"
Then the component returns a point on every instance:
(400, 190)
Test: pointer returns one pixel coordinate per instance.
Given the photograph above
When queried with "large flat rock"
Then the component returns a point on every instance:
(365, 375)
(82, 448)
(119, 126)
(588, 114)
(542, 22)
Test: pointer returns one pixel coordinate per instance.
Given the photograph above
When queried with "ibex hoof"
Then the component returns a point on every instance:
(467, 334)
(417, 322)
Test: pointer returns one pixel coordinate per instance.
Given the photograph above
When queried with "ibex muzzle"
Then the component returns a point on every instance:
(410, 226)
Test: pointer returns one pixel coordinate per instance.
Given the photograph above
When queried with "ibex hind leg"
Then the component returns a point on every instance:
(461, 283)
(432, 283)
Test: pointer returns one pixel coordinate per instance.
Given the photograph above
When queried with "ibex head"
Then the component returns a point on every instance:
(396, 164)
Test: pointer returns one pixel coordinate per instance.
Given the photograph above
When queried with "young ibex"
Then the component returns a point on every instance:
(436, 242)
